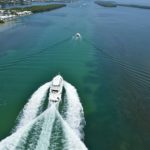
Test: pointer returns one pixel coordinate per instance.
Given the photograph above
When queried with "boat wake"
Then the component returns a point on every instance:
(49, 129)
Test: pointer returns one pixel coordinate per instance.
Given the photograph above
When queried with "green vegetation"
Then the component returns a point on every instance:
(106, 3)
(134, 6)
(1, 21)
(36, 9)
(7, 2)
(114, 4)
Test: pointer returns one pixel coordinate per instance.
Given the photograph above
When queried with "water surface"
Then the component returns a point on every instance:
(109, 67)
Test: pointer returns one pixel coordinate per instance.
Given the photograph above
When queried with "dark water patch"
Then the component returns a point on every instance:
(128, 66)
(111, 121)
(140, 72)
(92, 71)
(139, 75)
(90, 78)
(135, 107)
(87, 90)
(104, 126)
(122, 104)
(91, 65)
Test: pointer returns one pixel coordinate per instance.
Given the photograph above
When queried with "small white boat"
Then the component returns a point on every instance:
(56, 89)
(77, 36)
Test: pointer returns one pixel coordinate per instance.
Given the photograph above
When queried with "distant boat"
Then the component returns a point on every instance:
(77, 36)
(56, 89)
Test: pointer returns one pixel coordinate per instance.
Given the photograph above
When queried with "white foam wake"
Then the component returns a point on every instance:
(72, 141)
(44, 123)
(44, 140)
(17, 138)
(74, 113)
(31, 109)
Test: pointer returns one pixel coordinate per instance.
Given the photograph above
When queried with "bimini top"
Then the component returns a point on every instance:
(57, 80)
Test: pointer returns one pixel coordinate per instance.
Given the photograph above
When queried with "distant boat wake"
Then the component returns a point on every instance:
(49, 129)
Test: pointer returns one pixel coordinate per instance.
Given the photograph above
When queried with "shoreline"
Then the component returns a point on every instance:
(12, 13)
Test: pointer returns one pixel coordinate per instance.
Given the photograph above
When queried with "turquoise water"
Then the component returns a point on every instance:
(109, 67)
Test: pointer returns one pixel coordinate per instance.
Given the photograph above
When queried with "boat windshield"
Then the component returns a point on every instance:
(54, 91)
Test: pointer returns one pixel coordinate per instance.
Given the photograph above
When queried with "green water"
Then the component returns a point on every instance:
(109, 67)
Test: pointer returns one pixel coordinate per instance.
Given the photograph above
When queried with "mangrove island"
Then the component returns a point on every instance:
(115, 4)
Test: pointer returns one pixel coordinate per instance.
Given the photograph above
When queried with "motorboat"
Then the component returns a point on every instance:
(56, 89)
(77, 36)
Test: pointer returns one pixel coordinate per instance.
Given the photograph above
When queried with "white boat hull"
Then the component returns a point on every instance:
(56, 89)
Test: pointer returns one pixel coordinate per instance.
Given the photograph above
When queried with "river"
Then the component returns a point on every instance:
(109, 67)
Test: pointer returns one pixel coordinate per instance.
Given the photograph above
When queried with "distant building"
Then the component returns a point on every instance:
(3, 2)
